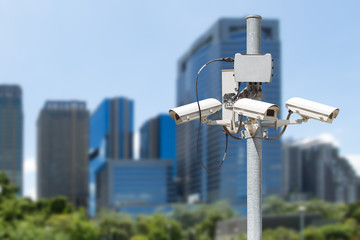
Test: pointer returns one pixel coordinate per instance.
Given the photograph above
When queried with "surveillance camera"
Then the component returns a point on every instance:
(256, 109)
(189, 112)
(314, 110)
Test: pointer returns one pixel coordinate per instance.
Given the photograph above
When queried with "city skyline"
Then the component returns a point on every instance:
(59, 56)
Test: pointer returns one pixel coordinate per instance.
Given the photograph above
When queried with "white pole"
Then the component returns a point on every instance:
(254, 144)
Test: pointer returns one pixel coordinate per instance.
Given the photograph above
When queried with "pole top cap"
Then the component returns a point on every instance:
(253, 16)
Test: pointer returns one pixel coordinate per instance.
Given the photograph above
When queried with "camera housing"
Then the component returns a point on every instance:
(312, 110)
(253, 68)
(190, 112)
(256, 109)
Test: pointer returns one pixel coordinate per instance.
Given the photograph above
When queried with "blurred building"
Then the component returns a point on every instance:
(135, 187)
(11, 133)
(62, 151)
(225, 38)
(111, 137)
(112, 128)
(314, 169)
(158, 140)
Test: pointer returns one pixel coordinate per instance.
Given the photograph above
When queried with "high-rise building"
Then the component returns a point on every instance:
(62, 148)
(292, 172)
(225, 38)
(111, 137)
(158, 140)
(11, 133)
(314, 169)
(112, 127)
(135, 187)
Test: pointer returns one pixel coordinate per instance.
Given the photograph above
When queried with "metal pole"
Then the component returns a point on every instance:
(302, 210)
(301, 225)
(254, 144)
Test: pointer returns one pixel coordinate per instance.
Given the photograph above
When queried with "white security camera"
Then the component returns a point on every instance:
(256, 109)
(189, 112)
(314, 110)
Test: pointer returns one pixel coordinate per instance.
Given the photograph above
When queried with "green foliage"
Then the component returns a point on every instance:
(353, 211)
(280, 233)
(57, 219)
(189, 217)
(142, 226)
(335, 232)
(59, 205)
(139, 237)
(241, 237)
(208, 226)
(74, 225)
(52, 219)
(115, 226)
(274, 205)
(8, 191)
(312, 233)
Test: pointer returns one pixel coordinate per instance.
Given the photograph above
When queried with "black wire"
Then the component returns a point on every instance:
(283, 130)
(228, 132)
(197, 100)
(198, 153)
(238, 131)
(238, 94)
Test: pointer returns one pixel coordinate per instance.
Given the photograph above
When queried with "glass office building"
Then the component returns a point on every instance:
(111, 137)
(62, 151)
(158, 140)
(225, 38)
(135, 187)
(112, 126)
(11, 133)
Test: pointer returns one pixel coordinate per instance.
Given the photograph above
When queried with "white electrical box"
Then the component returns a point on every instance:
(253, 68)
(229, 90)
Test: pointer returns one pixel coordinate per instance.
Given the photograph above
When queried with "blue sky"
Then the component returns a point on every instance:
(89, 50)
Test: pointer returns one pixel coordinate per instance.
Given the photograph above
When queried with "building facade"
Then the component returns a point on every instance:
(11, 134)
(112, 126)
(111, 137)
(135, 187)
(62, 151)
(225, 38)
(158, 139)
(315, 170)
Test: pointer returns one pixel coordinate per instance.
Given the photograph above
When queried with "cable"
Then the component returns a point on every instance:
(198, 153)
(197, 100)
(228, 132)
(238, 131)
(238, 93)
(283, 130)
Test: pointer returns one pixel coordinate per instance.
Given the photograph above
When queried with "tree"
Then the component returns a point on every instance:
(74, 225)
(7, 190)
(115, 226)
(190, 216)
(337, 232)
(312, 233)
(353, 211)
(208, 226)
(139, 237)
(275, 205)
(280, 233)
